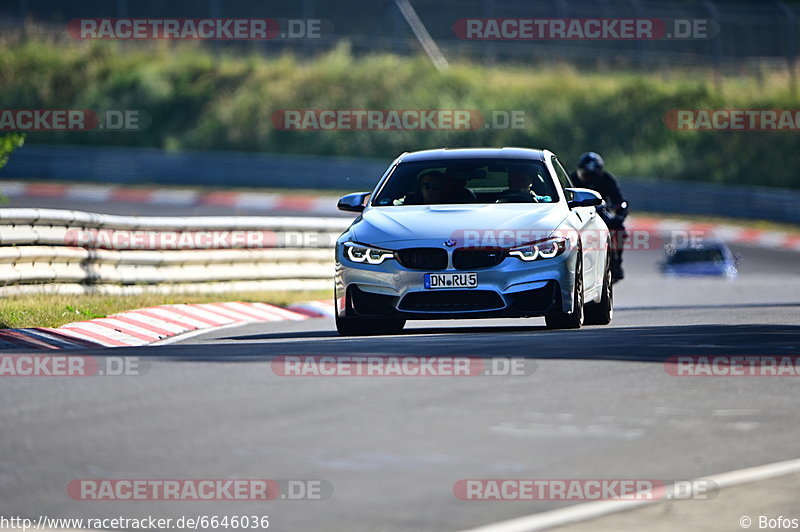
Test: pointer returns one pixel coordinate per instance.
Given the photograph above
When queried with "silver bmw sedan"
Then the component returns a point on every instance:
(473, 233)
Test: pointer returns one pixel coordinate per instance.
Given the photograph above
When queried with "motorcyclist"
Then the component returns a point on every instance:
(591, 174)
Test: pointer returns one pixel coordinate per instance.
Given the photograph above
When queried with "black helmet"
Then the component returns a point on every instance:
(591, 163)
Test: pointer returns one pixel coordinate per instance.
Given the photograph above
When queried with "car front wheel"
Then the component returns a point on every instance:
(574, 319)
(601, 313)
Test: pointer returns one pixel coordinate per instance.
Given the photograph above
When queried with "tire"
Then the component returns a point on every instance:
(602, 312)
(574, 319)
(355, 326)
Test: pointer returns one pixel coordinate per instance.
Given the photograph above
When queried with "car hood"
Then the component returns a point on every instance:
(419, 223)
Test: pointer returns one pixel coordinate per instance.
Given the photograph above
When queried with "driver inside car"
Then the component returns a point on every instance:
(432, 189)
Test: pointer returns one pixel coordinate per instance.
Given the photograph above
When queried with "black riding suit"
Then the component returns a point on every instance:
(614, 214)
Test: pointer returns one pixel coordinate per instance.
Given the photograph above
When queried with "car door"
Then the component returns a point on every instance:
(585, 220)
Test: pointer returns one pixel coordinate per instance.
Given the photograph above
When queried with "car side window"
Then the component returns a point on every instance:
(563, 176)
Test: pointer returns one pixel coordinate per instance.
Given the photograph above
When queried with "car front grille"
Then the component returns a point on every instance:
(473, 259)
(451, 301)
(423, 258)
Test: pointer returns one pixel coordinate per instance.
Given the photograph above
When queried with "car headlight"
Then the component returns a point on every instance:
(366, 254)
(546, 249)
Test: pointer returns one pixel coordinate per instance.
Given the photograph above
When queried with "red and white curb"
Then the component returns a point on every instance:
(152, 324)
(263, 201)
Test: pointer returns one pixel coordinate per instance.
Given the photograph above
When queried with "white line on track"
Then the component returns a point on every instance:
(591, 510)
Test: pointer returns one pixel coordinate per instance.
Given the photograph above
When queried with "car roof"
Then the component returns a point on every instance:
(472, 153)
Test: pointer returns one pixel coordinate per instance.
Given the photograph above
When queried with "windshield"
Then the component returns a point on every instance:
(685, 256)
(468, 181)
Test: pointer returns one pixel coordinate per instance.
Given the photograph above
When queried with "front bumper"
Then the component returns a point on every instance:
(513, 288)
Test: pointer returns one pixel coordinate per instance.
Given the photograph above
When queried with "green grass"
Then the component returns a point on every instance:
(51, 310)
(225, 102)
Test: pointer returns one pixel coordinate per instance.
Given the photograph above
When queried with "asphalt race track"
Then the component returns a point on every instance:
(599, 404)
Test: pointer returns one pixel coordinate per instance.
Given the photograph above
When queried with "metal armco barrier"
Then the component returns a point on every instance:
(41, 247)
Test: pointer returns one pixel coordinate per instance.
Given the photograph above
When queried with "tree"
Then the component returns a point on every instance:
(8, 143)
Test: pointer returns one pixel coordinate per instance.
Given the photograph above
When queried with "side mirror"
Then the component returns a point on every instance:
(583, 197)
(353, 202)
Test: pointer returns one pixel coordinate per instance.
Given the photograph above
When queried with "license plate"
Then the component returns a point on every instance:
(451, 280)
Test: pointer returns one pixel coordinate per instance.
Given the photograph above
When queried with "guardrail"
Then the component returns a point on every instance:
(74, 251)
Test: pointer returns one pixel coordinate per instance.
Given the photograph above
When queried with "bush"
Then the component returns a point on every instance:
(199, 100)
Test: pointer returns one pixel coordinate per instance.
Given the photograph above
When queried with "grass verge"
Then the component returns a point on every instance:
(54, 310)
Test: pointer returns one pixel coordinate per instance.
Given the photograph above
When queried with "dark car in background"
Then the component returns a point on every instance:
(708, 259)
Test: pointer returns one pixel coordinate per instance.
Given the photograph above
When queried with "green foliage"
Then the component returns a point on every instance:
(8, 143)
(198, 100)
